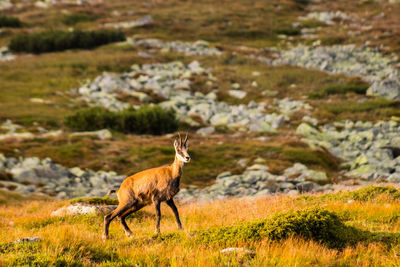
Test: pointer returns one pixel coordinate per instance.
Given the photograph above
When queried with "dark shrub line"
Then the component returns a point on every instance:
(12, 22)
(145, 120)
(51, 41)
(354, 87)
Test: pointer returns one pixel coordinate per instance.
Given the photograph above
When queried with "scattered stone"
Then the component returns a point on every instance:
(369, 149)
(368, 63)
(101, 134)
(32, 239)
(389, 88)
(17, 131)
(171, 82)
(237, 94)
(255, 181)
(327, 17)
(5, 54)
(143, 21)
(40, 101)
(81, 209)
(198, 48)
(5, 4)
(206, 131)
(43, 176)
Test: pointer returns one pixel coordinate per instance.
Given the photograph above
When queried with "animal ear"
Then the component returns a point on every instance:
(176, 144)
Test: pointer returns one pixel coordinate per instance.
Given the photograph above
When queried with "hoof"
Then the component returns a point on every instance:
(104, 237)
(129, 234)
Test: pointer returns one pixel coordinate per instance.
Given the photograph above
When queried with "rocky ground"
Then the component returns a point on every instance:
(216, 87)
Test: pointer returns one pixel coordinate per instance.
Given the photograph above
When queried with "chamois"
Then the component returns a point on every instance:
(150, 186)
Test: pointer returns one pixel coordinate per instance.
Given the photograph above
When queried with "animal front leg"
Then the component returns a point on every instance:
(171, 204)
(158, 215)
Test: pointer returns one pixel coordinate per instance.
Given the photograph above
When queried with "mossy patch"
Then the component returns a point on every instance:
(95, 201)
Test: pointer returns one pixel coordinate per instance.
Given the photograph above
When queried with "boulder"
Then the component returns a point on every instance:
(237, 94)
(206, 131)
(81, 209)
(389, 88)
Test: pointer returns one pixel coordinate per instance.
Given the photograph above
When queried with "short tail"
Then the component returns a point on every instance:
(110, 192)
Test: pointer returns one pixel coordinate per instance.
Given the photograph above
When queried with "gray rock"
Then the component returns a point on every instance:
(31, 239)
(206, 131)
(79, 209)
(389, 88)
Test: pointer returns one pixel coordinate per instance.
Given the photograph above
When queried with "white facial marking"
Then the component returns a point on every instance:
(181, 158)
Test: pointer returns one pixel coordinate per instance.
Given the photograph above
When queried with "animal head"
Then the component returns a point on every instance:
(181, 148)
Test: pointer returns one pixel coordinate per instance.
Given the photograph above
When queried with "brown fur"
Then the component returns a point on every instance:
(149, 186)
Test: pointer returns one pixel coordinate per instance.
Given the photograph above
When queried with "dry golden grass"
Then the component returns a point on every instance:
(77, 240)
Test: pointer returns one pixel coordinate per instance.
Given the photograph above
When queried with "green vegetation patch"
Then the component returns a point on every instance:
(351, 106)
(145, 120)
(95, 201)
(374, 192)
(312, 157)
(51, 41)
(76, 18)
(12, 22)
(354, 87)
(315, 223)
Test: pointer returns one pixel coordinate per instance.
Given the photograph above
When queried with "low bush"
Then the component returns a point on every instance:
(92, 119)
(354, 87)
(51, 41)
(374, 192)
(12, 22)
(145, 120)
(288, 30)
(316, 224)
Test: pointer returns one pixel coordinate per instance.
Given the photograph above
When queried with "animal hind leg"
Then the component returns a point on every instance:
(122, 217)
(108, 218)
(171, 204)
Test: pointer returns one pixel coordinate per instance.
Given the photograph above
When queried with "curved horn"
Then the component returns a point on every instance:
(180, 139)
(186, 138)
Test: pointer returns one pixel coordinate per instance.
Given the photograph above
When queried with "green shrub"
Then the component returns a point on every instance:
(315, 223)
(61, 40)
(92, 119)
(288, 30)
(355, 87)
(11, 22)
(73, 19)
(373, 192)
(145, 120)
